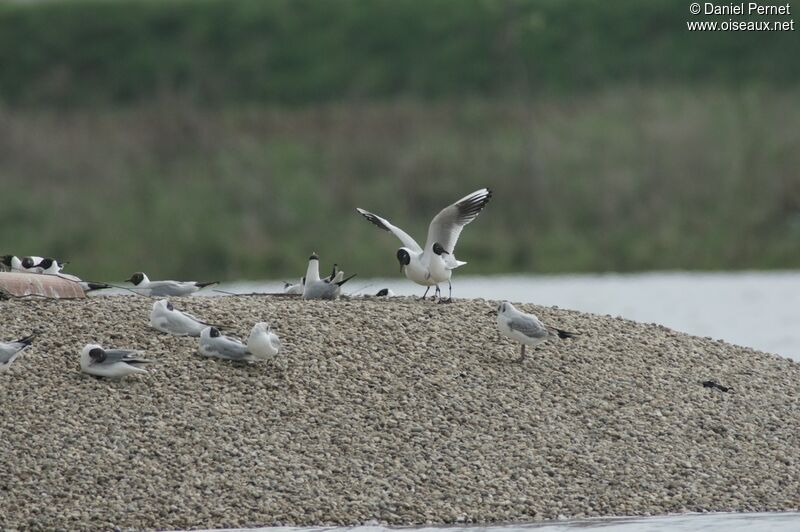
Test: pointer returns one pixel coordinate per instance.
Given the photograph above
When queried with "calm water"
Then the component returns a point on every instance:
(754, 309)
(721, 522)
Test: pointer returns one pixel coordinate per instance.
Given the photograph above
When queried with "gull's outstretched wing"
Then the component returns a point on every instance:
(446, 226)
(386, 226)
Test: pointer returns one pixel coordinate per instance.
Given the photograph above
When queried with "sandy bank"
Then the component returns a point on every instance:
(399, 411)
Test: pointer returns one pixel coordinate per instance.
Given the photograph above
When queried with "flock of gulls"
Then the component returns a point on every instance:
(430, 265)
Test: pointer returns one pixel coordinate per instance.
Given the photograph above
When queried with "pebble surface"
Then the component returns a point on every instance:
(397, 411)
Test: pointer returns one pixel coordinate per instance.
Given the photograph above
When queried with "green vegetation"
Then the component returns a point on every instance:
(228, 139)
(301, 51)
(621, 179)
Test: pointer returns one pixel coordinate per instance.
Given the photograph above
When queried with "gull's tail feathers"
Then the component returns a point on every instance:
(340, 283)
(28, 339)
(564, 334)
(138, 361)
(96, 286)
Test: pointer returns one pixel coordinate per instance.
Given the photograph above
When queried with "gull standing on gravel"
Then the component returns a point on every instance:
(328, 288)
(166, 318)
(525, 328)
(263, 343)
(165, 288)
(114, 363)
(214, 344)
(9, 351)
(435, 263)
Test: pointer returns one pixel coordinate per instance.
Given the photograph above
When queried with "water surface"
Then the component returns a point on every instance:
(711, 522)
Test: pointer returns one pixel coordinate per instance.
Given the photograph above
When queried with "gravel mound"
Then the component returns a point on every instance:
(400, 411)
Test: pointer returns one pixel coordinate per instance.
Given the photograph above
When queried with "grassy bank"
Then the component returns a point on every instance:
(91, 52)
(623, 179)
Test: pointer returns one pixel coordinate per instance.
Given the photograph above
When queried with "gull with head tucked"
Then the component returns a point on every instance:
(166, 318)
(113, 363)
(214, 344)
(263, 343)
(294, 289)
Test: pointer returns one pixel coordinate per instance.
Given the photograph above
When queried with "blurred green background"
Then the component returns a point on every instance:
(229, 139)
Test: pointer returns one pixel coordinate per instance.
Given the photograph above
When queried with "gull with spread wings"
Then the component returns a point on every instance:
(435, 263)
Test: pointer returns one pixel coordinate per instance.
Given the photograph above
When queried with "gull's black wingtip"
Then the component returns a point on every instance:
(566, 334)
(28, 339)
(373, 218)
(340, 283)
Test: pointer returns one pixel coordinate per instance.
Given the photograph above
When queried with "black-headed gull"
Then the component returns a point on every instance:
(166, 318)
(328, 288)
(113, 363)
(7, 262)
(294, 289)
(525, 328)
(263, 343)
(23, 264)
(52, 267)
(9, 351)
(147, 287)
(214, 344)
(297, 288)
(435, 263)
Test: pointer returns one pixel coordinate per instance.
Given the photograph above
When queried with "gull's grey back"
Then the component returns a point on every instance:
(170, 288)
(530, 327)
(321, 290)
(113, 356)
(178, 322)
(225, 348)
